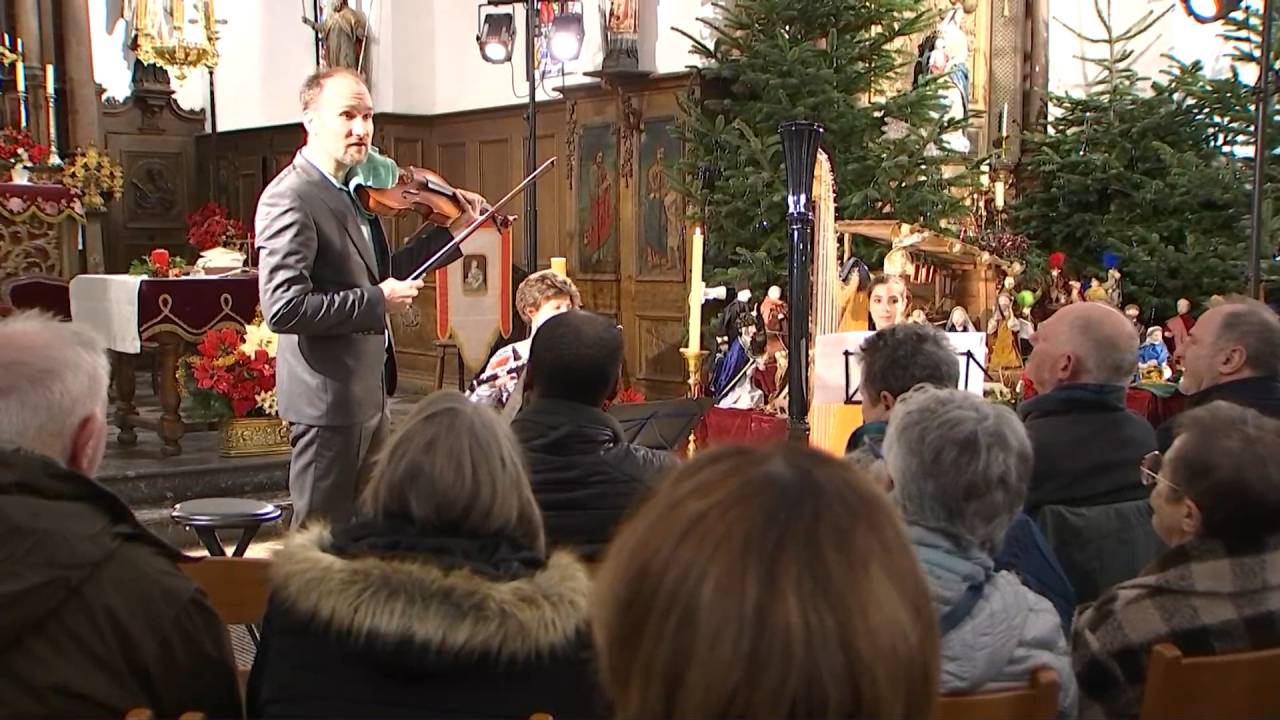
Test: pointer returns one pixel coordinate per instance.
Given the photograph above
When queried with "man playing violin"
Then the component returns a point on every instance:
(327, 280)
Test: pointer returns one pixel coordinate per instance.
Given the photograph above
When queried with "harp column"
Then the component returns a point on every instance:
(800, 153)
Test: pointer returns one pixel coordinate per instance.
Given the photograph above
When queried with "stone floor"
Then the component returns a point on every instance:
(152, 484)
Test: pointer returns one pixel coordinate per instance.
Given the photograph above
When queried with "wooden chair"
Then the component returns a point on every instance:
(238, 590)
(1038, 701)
(1239, 686)
(147, 714)
(237, 586)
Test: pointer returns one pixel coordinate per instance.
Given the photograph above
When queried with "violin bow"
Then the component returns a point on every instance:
(427, 266)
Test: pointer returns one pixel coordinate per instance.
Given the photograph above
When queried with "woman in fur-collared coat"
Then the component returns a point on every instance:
(441, 602)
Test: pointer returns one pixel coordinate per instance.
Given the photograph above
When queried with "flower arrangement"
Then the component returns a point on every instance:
(96, 176)
(19, 149)
(232, 375)
(160, 264)
(210, 227)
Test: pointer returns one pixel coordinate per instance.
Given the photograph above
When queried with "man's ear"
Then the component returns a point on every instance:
(1192, 521)
(88, 444)
(1233, 360)
(887, 401)
(307, 119)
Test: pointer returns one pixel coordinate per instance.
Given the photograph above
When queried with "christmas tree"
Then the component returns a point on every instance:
(836, 62)
(1145, 171)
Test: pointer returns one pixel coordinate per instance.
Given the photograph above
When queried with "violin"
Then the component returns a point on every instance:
(423, 192)
(429, 195)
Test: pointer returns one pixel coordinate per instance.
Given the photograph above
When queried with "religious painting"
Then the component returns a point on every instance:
(661, 248)
(153, 190)
(597, 201)
(475, 278)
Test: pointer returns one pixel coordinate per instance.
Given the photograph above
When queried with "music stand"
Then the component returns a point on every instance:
(661, 424)
(970, 361)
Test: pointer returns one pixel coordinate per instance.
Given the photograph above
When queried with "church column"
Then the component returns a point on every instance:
(1033, 112)
(83, 112)
(29, 26)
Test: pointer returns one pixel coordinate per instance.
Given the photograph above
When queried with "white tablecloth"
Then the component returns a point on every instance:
(108, 305)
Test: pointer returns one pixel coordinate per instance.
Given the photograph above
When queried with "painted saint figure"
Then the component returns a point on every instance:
(599, 231)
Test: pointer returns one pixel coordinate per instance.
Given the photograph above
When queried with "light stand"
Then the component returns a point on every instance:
(1260, 155)
(531, 142)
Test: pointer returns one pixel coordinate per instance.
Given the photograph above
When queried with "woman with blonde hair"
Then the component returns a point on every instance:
(774, 583)
(439, 595)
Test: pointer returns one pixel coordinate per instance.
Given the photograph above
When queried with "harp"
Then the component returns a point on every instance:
(836, 306)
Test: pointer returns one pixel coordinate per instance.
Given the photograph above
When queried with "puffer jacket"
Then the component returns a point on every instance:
(585, 475)
(1009, 632)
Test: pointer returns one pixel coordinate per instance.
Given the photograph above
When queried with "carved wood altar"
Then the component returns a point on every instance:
(153, 138)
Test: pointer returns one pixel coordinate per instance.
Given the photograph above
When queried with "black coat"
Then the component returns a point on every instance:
(384, 622)
(96, 619)
(585, 474)
(1258, 393)
(1088, 447)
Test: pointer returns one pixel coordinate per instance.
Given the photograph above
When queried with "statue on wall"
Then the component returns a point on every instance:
(946, 52)
(623, 37)
(342, 33)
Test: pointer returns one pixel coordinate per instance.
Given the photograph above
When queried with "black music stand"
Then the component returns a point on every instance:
(851, 392)
(661, 424)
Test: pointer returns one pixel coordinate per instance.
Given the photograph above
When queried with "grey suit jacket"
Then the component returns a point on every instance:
(318, 284)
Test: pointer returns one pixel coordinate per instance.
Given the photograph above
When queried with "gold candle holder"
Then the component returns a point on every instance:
(693, 361)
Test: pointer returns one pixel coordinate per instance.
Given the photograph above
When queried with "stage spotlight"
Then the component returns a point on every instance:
(1210, 11)
(497, 36)
(567, 32)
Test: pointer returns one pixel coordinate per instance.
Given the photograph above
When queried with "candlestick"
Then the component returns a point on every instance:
(695, 291)
(693, 360)
(50, 94)
(1000, 194)
(560, 266)
(8, 44)
(20, 73)
(19, 47)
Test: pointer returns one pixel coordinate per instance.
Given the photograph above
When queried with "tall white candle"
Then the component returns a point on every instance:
(695, 291)
(20, 72)
(999, 194)
(560, 266)
(49, 94)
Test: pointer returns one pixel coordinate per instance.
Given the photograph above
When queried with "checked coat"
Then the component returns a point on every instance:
(1205, 596)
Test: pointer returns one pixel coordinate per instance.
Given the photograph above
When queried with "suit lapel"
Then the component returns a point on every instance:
(343, 211)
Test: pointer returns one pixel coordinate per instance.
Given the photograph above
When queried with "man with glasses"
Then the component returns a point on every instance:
(1215, 500)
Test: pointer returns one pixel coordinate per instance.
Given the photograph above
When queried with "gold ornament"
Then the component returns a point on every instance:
(95, 176)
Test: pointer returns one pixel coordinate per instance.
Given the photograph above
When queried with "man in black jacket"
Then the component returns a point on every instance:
(96, 619)
(1232, 354)
(1088, 446)
(585, 475)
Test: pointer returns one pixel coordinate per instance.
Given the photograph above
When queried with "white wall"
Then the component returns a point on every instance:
(422, 56)
(1176, 34)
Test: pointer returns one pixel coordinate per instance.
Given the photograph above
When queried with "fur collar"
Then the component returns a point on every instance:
(452, 611)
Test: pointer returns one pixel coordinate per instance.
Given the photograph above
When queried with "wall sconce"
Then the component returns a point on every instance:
(496, 37)
(567, 32)
(1210, 11)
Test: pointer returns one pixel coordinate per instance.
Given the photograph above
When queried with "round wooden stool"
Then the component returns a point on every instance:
(206, 516)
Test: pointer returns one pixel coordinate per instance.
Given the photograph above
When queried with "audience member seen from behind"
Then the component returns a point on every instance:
(959, 466)
(441, 601)
(1087, 444)
(770, 583)
(95, 616)
(542, 295)
(894, 360)
(1232, 354)
(585, 474)
(1216, 503)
